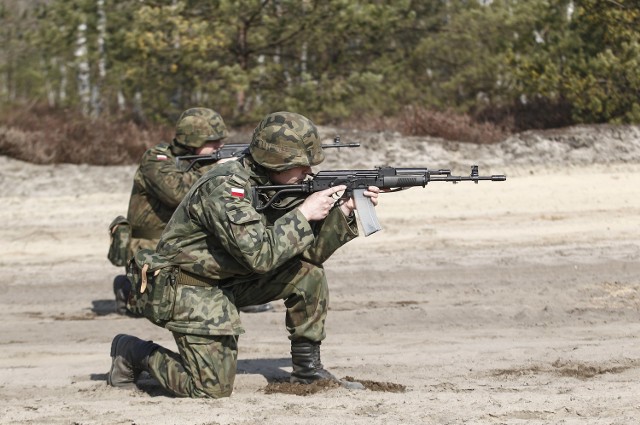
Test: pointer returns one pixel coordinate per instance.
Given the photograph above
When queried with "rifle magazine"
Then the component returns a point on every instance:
(366, 213)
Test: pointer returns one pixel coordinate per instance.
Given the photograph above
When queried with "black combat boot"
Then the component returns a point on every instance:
(121, 289)
(129, 357)
(307, 367)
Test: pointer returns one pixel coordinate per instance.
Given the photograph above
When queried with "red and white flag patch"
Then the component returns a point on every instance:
(161, 157)
(237, 192)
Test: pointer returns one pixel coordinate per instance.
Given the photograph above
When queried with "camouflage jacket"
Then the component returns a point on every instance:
(217, 234)
(158, 187)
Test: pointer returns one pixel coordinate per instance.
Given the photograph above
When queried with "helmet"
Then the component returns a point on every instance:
(197, 126)
(285, 140)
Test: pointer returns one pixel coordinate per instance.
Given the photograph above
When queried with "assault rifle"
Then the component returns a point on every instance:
(238, 149)
(388, 179)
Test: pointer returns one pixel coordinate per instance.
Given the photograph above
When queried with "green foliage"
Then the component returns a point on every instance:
(169, 58)
(333, 60)
(588, 59)
(604, 84)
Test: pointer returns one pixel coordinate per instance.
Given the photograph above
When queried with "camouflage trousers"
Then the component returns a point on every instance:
(205, 365)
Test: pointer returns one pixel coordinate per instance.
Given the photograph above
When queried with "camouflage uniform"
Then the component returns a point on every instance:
(159, 184)
(222, 255)
(249, 258)
(158, 187)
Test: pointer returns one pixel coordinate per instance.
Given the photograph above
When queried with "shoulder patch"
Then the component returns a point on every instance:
(160, 152)
(237, 192)
(237, 184)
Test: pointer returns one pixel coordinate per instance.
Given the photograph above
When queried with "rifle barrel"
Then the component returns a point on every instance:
(340, 145)
(449, 178)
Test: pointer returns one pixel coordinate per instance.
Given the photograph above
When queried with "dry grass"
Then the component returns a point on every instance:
(42, 135)
(416, 121)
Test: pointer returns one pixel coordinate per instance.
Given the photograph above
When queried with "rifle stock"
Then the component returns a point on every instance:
(389, 179)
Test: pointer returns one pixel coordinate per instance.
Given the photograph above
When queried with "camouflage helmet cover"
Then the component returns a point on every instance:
(285, 140)
(197, 126)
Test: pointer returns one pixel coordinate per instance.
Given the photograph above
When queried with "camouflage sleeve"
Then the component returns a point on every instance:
(331, 233)
(223, 206)
(164, 180)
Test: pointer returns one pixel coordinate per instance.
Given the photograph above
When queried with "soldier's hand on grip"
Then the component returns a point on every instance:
(318, 204)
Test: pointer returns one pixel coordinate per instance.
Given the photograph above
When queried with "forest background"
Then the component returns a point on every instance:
(98, 81)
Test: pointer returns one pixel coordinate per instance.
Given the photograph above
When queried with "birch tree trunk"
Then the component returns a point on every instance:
(97, 103)
(83, 77)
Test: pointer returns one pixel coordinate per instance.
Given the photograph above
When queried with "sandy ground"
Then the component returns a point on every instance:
(500, 303)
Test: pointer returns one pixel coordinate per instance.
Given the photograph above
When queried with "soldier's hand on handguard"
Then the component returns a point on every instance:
(349, 205)
(318, 205)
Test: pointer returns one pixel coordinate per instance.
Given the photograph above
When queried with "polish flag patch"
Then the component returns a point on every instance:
(237, 192)
(161, 157)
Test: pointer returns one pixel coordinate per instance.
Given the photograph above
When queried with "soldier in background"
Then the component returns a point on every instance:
(159, 185)
(218, 254)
